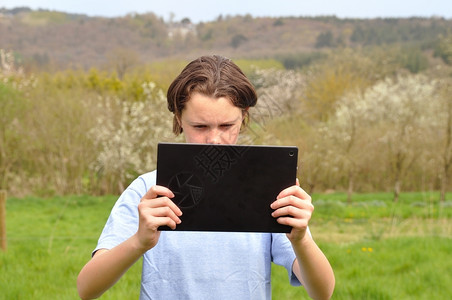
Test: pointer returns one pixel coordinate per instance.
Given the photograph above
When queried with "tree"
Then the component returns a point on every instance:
(122, 60)
(12, 109)
(325, 39)
(330, 79)
(318, 168)
(126, 136)
(276, 119)
(401, 109)
(348, 128)
(444, 49)
(444, 128)
(238, 40)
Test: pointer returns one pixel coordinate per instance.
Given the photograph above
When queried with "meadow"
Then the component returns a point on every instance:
(355, 107)
(378, 249)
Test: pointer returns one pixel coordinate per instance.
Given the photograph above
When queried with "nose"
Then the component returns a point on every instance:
(214, 137)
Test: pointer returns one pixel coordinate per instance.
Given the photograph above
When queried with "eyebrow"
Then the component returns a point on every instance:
(203, 122)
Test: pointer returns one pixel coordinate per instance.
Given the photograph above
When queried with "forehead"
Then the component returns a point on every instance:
(204, 108)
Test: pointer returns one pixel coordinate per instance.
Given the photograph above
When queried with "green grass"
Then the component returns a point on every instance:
(378, 249)
(49, 241)
(396, 268)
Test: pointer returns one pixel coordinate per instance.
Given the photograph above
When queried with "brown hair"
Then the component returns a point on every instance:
(213, 76)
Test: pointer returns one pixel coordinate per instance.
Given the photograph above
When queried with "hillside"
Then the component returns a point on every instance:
(54, 39)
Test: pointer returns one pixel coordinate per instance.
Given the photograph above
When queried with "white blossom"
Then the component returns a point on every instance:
(128, 132)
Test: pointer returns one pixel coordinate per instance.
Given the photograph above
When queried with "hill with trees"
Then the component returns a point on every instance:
(57, 40)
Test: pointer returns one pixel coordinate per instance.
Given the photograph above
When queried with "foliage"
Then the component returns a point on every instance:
(364, 131)
(300, 60)
(12, 108)
(390, 31)
(249, 66)
(385, 126)
(325, 39)
(238, 40)
(412, 59)
(331, 78)
(56, 41)
(401, 110)
(126, 136)
(43, 17)
(440, 133)
(444, 48)
(278, 92)
(77, 131)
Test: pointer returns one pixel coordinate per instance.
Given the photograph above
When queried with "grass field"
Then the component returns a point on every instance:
(378, 249)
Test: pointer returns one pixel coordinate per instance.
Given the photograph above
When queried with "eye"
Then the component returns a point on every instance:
(199, 126)
(226, 125)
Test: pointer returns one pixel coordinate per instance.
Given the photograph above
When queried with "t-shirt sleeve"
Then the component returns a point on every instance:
(123, 220)
(283, 255)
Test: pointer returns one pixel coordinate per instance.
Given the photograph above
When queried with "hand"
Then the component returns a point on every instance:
(156, 209)
(293, 207)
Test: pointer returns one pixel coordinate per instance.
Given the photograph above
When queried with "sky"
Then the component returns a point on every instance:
(205, 10)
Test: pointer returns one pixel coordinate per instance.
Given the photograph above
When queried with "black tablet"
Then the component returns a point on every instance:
(226, 187)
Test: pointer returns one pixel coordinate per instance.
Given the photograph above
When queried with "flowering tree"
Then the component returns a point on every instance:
(342, 73)
(277, 119)
(127, 135)
(348, 129)
(13, 107)
(278, 92)
(317, 158)
(8, 65)
(398, 112)
(443, 129)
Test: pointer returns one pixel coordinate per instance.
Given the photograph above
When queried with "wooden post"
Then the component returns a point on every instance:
(3, 219)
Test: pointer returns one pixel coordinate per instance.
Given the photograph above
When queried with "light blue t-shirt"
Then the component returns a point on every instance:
(199, 265)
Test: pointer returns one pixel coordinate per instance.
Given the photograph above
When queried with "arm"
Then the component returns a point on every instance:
(311, 266)
(107, 266)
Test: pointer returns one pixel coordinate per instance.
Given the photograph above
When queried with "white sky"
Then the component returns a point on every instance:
(205, 10)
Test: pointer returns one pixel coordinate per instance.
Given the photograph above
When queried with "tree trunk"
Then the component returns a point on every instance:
(350, 188)
(311, 188)
(447, 152)
(444, 181)
(396, 191)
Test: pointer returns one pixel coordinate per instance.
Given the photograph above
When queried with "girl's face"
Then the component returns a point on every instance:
(207, 120)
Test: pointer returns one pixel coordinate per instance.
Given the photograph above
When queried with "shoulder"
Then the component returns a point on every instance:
(148, 179)
(143, 183)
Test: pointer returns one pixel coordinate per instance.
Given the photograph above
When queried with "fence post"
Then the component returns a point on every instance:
(3, 219)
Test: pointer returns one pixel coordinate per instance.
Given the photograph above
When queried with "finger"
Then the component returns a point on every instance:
(294, 190)
(154, 217)
(158, 190)
(153, 223)
(162, 202)
(166, 212)
(292, 201)
(297, 182)
(161, 193)
(291, 211)
(166, 221)
(293, 222)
